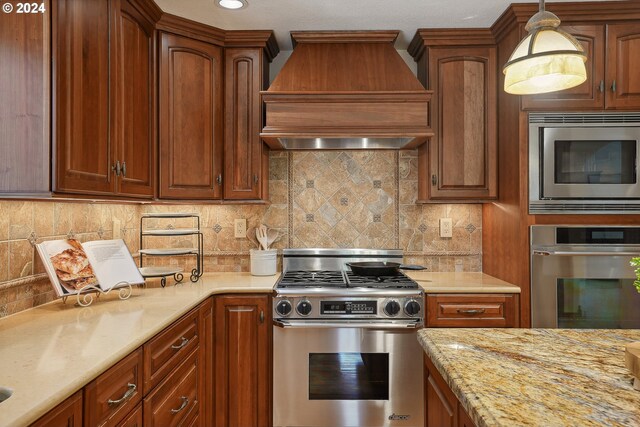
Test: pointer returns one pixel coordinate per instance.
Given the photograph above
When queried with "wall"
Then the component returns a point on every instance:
(318, 199)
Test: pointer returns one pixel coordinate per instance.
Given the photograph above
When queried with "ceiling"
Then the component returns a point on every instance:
(283, 16)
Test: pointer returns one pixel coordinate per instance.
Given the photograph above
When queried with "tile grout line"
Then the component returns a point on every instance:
(396, 177)
(290, 198)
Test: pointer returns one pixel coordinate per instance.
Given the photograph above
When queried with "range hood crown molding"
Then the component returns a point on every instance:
(343, 86)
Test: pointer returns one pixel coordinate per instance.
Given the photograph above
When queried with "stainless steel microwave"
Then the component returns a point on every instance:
(584, 163)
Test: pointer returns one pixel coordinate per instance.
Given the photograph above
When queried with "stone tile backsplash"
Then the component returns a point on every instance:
(325, 199)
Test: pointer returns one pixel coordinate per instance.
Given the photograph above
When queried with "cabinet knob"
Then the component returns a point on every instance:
(124, 169)
(219, 179)
(434, 179)
(601, 86)
(613, 86)
(261, 316)
(255, 179)
(116, 168)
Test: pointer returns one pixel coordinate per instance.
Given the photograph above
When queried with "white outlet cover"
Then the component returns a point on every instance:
(240, 228)
(446, 227)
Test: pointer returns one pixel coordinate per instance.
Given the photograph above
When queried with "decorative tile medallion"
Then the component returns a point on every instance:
(310, 218)
(470, 228)
(344, 201)
(217, 228)
(422, 228)
(376, 218)
(310, 183)
(377, 183)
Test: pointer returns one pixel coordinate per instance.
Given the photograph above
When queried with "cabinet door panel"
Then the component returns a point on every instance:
(243, 363)
(243, 146)
(133, 112)
(623, 63)
(587, 95)
(66, 414)
(463, 152)
(441, 403)
(190, 118)
(81, 96)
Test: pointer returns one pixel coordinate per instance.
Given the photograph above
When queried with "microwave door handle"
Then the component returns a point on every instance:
(585, 253)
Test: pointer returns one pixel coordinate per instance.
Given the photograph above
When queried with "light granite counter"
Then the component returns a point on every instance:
(467, 283)
(537, 377)
(49, 352)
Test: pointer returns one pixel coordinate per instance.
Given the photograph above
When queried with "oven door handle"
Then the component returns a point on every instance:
(408, 324)
(585, 253)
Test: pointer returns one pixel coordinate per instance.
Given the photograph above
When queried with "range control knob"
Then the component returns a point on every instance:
(283, 308)
(412, 307)
(392, 308)
(303, 308)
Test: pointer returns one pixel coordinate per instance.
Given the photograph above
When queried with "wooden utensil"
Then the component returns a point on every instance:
(272, 237)
(632, 360)
(261, 235)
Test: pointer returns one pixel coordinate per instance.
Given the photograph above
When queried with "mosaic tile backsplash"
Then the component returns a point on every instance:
(324, 199)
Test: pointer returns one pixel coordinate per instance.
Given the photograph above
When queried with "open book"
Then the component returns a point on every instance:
(72, 265)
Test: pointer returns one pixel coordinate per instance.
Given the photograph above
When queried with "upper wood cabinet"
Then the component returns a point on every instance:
(103, 97)
(191, 125)
(613, 81)
(24, 110)
(245, 77)
(459, 162)
(242, 361)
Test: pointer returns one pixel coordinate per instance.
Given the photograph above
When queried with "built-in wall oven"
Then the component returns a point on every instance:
(584, 162)
(581, 277)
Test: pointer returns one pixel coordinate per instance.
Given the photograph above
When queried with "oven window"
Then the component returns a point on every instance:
(598, 304)
(349, 376)
(595, 162)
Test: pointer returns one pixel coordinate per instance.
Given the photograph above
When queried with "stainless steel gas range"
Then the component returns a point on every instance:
(345, 347)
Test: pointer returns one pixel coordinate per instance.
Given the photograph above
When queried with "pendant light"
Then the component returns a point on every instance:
(546, 60)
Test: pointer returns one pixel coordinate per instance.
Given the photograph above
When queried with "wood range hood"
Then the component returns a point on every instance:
(345, 90)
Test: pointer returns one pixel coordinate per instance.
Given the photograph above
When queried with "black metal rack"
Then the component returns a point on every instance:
(164, 272)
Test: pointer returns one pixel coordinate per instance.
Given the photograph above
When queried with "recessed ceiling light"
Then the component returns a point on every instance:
(232, 4)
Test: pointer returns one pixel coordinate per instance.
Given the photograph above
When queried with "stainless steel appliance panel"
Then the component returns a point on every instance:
(298, 390)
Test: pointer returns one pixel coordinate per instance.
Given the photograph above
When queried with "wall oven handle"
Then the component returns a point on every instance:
(585, 253)
(409, 324)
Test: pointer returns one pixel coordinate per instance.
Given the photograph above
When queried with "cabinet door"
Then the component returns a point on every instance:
(243, 119)
(24, 116)
(242, 361)
(441, 405)
(590, 94)
(81, 97)
(132, 89)
(462, 154)
(623, 63)
(190, 118)
(66, 414)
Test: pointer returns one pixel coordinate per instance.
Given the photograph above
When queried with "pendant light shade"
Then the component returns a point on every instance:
(546, 60)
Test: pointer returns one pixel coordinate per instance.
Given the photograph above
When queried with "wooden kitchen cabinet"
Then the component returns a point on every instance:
(110, 397)
(191, 123)
(460, 161)
(442, 407)
(103, 97)
(134, 419)
(66, 414)
(242, 361)
(613, 81)
(472, 310)
(246, 170)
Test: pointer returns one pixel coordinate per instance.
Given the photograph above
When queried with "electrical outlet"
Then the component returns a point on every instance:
(116, 232)
(446, 227)
(240, 228)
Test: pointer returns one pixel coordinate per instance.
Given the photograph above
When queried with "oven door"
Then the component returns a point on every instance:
(347, 377)
(590, 163)
(583, 289)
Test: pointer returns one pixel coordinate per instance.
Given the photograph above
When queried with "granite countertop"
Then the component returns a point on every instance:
(49, 352)
(472, 283)
(537, 377)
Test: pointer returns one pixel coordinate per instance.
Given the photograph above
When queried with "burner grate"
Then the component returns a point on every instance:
(312, 279)
(398, 281)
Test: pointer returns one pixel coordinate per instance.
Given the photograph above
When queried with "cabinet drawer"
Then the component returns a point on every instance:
(134, 419)
(176, 401)
(166, 350)
(114, 394)
(472, 311)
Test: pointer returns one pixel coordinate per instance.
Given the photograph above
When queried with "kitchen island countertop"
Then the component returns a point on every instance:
(537, 377)
(49, 352)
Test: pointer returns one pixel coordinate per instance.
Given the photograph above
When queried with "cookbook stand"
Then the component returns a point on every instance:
(85, 295)
(196, 250)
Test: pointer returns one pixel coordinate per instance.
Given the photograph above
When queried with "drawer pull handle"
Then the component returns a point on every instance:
(184, 342)
(185, 402)
(471, 311)
(130, 391)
